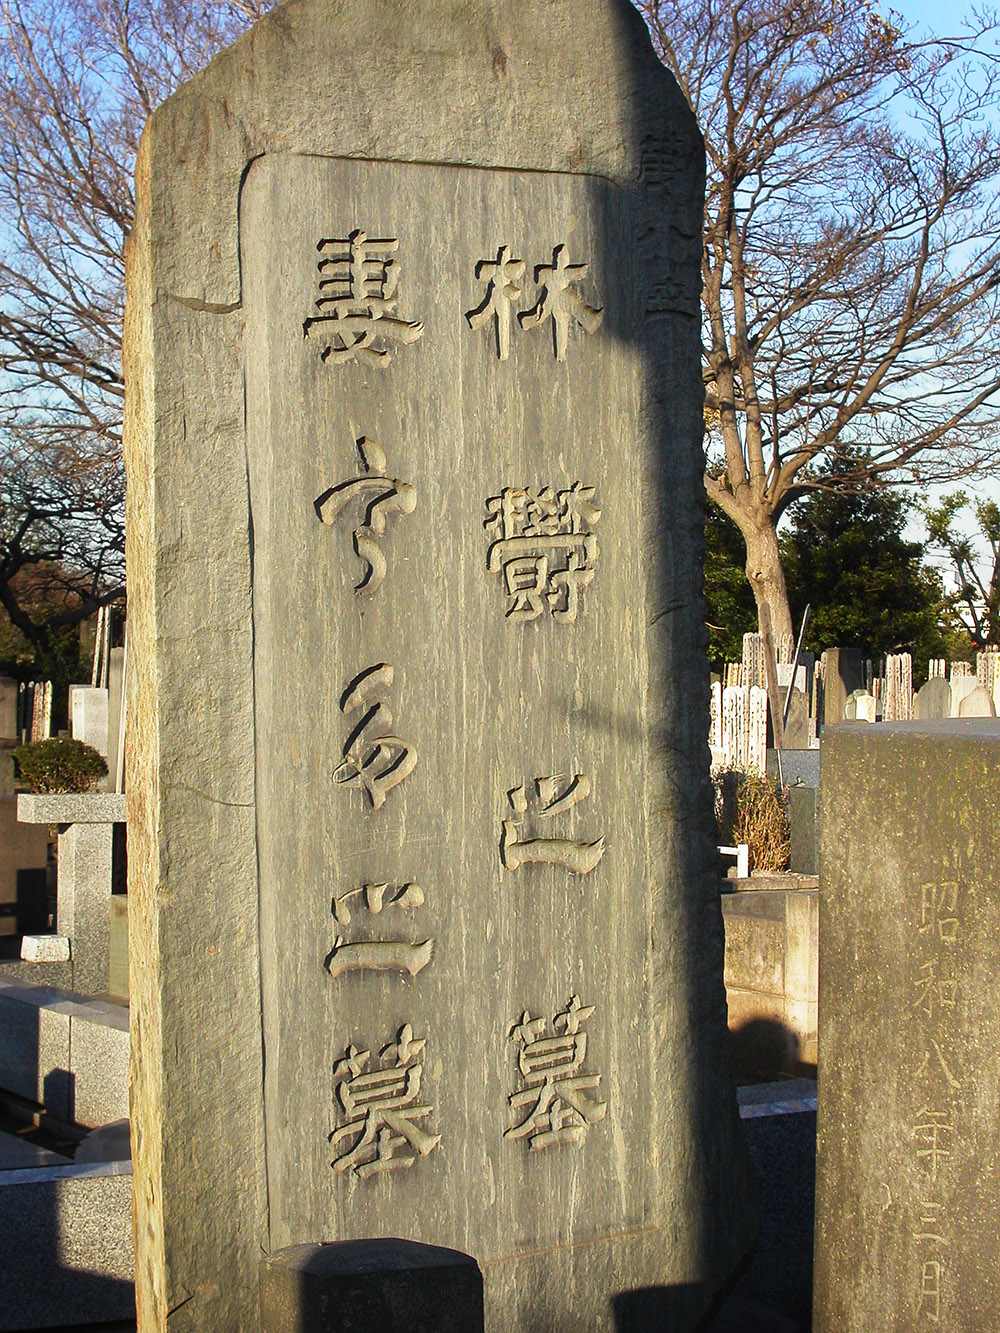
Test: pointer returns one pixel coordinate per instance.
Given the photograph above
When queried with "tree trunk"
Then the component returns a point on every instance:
(767, 578)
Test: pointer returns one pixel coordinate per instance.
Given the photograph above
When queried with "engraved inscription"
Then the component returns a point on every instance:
(555, 1101)
(381, 1107)
(555, 796)
(931, 1133)
(374, 760)
(544, 548)
(356, 305)
(929, 1304)
(379, 496)
(936, 997)
(560, 303)
(503, 278)
(377, 955)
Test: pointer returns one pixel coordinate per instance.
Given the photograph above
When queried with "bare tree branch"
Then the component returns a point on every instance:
(78, 78)
(851, 251)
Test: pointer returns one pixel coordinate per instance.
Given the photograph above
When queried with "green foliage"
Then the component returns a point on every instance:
(844, 553)
(59, 765)
(56, 656)
(731, 610)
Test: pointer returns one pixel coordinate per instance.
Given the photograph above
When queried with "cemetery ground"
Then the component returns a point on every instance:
(771, 974)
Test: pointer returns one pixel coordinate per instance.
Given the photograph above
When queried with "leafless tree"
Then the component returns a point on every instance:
(851, 244)
(975, 561)
(78, 79)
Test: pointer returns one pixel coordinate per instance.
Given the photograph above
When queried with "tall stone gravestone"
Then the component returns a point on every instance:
(425, 929)
(908, 1185)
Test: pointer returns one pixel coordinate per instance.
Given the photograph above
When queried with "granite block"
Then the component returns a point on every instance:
(35, 1049)
(67, 1247)
(83, 911)
(100, 1054)
(96, 807)
(45, 949)
(908, 1186)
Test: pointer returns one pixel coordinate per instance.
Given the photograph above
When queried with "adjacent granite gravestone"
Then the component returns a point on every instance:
(908, 1186)
(88, 715)
(424, 916)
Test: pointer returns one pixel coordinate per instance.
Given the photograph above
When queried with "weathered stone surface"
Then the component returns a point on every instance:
(933, 700)
(451, 132)
(797, 724)
(908, 1189)
(371, 1286)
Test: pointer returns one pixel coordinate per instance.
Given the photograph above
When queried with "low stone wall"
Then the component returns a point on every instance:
(64, 1052)
(771, 975)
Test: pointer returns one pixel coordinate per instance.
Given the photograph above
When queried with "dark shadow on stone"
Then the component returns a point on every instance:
(385, 1285)
(764, 1049)
(783, 1149)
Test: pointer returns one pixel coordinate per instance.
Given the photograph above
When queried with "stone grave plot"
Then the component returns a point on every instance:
(425, 929)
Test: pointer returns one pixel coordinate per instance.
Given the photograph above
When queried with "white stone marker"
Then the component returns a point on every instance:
(424, 913)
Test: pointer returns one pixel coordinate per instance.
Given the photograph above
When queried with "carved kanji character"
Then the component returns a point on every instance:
(357, 301)
(560, 303)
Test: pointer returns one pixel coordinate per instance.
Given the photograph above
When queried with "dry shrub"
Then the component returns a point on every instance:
(762, 822)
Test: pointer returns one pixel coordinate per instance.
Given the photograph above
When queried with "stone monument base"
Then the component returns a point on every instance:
(371, 1286)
